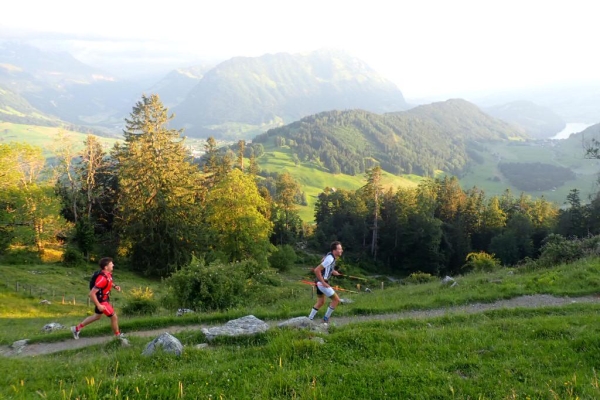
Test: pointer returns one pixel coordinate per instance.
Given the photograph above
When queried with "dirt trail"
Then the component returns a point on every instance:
(532, 301)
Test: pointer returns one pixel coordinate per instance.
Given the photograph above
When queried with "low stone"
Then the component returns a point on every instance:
(19, 345)
(248, 325)
(166, 341)
(447, 280)
(183, 311)
(51, 327)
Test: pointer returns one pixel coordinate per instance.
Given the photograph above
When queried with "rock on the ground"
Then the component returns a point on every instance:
(447, 280)
(182, 311)
(52, 326)
(167, 342)
(298, 322)
(248, 325)
(19, 345)
(303, 323)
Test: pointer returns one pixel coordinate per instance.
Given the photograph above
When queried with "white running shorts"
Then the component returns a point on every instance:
(327, 291)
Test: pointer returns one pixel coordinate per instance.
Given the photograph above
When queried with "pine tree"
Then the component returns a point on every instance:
(372, 192)
(287, 222)
(157, 180)
(240, 155)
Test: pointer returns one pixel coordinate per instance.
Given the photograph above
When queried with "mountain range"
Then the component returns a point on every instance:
(275, 89)
(324, 109)
(237, 98)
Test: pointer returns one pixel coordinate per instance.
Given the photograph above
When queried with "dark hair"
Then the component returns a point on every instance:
(334, 245)
(104, 262)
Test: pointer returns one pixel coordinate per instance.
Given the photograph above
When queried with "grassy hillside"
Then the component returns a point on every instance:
(545, 352)
(43, 136)
(562, 153)
(570, 154)
(313, 178)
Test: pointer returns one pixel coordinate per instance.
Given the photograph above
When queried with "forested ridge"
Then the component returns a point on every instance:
(419, 141)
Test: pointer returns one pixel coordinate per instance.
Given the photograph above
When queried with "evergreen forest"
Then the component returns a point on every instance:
(151, 205)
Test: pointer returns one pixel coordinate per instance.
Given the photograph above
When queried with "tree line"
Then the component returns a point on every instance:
(434, 227)
(149, 201)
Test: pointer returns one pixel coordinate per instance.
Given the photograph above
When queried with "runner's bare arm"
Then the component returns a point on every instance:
(319, 274)
(94, 298)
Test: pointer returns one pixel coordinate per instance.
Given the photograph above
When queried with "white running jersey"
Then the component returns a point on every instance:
(328, 264)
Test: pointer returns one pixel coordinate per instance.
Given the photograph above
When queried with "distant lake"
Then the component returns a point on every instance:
(572, 127)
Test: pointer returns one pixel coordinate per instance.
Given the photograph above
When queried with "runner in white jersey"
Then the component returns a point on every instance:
(323, 273)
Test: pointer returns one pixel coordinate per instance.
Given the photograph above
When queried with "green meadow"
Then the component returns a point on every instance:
(549, 352)
(568, 154)
(313, 178)
(44, 136)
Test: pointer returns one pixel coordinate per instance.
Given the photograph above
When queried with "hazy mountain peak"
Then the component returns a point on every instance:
(284, 87)
(538, 121)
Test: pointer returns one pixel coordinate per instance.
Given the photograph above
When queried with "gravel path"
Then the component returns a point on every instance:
(532, 301)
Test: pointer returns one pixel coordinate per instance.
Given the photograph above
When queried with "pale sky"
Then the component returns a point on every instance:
(428, 48)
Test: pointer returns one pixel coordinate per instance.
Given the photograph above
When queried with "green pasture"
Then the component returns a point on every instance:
(522, 353)
(313, 178)
(560, 153)
(44, 136)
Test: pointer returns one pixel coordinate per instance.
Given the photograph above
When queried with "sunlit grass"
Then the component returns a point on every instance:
(314, 178)
(568, 154)
(292, 298)
(44, 136)
(547, 353)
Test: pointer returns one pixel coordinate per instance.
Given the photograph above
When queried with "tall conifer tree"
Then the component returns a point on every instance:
(158, 182)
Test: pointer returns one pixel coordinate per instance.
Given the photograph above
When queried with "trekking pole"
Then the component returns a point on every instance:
(355, 277)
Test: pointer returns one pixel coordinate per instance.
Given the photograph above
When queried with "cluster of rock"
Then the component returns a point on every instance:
(248, 325)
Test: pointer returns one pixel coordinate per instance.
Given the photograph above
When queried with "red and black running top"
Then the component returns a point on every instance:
(104, 283)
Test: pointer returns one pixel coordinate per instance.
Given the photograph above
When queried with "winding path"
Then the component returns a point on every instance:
(532, 301)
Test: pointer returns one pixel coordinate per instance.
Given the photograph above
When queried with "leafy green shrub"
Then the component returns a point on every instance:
(481, 262)
(591, 245)
(216, 286)
(72, 257)
(282, 258)
(557, 249)
(419, 277)
(142, 302)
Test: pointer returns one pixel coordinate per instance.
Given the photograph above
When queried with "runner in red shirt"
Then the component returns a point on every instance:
(100, 295)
